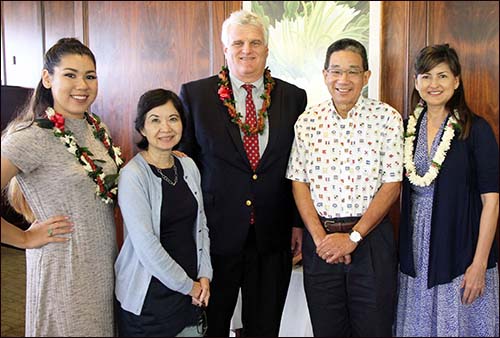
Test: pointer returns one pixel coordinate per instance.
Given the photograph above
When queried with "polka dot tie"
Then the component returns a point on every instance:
(251, 143)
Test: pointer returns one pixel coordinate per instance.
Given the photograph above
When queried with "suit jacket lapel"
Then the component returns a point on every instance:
(274, 116)
(233, 130)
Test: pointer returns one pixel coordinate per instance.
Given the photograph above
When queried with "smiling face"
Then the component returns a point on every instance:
(162, 128)
(246, 53)
(437, 86)
(346, 88)
(73, 85)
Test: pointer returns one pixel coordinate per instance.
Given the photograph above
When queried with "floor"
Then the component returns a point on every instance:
(13, 290)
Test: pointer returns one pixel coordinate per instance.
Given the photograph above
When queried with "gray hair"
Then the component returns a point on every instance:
(243, 17)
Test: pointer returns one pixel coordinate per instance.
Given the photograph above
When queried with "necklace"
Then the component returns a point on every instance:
(226, 96)
(439, 156)
(107, 185)
(165, 177)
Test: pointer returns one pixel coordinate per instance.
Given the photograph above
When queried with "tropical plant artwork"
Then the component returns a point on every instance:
(300, 33)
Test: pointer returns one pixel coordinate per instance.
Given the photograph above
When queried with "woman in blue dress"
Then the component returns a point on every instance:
(448, 281)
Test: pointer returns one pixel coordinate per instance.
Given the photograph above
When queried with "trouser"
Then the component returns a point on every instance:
(263, 279)
(356, 299)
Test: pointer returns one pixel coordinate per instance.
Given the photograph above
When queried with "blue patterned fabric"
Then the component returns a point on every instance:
(438, 311)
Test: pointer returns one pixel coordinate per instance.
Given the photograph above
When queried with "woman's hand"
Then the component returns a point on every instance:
(473, 283)
(48, 231)
(195, 293)
(205, 291)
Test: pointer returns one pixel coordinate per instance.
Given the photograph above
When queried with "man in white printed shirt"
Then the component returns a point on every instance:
(346, 166)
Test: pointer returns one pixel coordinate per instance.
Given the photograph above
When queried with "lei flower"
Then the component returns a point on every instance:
(439, 156)
(226, 96)
(106, 184)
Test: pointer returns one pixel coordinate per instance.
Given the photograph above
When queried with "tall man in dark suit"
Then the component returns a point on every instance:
(239, 131)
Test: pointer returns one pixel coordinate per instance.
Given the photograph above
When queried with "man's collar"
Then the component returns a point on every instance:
(237, 83)
(358, 103)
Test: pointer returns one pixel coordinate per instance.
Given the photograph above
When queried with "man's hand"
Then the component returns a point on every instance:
(336, 248)
(296, 245)
(179, 153)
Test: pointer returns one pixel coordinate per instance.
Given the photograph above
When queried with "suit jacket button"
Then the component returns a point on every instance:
(248, 203)
(254, 177)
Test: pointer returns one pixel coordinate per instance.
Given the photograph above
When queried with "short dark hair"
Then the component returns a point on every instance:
(347, 44)
(150, 100)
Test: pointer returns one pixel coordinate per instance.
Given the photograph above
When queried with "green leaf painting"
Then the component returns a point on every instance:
(300, 33)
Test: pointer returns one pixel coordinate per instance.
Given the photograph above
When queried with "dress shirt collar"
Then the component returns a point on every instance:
(351, 112)
(237, 83)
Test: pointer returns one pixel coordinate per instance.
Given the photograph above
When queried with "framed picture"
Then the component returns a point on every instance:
(301, 31)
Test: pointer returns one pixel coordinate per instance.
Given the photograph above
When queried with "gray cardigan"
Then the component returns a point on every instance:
(142, 255)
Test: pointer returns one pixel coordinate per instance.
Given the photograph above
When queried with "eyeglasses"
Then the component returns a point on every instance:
(351, 73)
(202, 322)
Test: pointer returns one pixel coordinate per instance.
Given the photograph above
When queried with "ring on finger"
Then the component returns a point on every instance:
(49, 231)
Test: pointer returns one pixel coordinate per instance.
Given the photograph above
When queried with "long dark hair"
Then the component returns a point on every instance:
(42, 97)
(40, 100)
(428, 58)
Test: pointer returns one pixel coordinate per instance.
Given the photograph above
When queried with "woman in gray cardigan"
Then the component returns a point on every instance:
(163, 269)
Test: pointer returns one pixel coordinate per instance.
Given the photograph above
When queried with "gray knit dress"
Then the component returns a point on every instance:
(69, 287)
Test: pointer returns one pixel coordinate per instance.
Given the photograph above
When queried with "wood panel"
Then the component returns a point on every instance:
(2, 43)
(403, 30)
(473, 31)
(141, 46)
(393, 60)
(220, 10)
(145, 45)
(23, 42)
(408, 26)
(59, 21)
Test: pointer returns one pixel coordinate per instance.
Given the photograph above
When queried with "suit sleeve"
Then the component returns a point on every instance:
(302, 103)
(188, 142)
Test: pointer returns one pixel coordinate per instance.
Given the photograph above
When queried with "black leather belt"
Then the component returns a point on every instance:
(341, 224)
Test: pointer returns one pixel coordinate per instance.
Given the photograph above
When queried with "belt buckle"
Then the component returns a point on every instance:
(330, 223)
(331, 226)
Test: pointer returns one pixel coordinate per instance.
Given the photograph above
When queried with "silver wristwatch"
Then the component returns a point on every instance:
(355, 236)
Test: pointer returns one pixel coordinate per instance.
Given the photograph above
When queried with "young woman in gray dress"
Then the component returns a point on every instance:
(62, 169)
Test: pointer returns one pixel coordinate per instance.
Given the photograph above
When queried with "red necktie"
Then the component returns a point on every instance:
(251, 143)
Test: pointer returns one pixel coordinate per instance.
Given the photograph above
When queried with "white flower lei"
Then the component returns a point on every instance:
(106, 184)
(439, 156)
